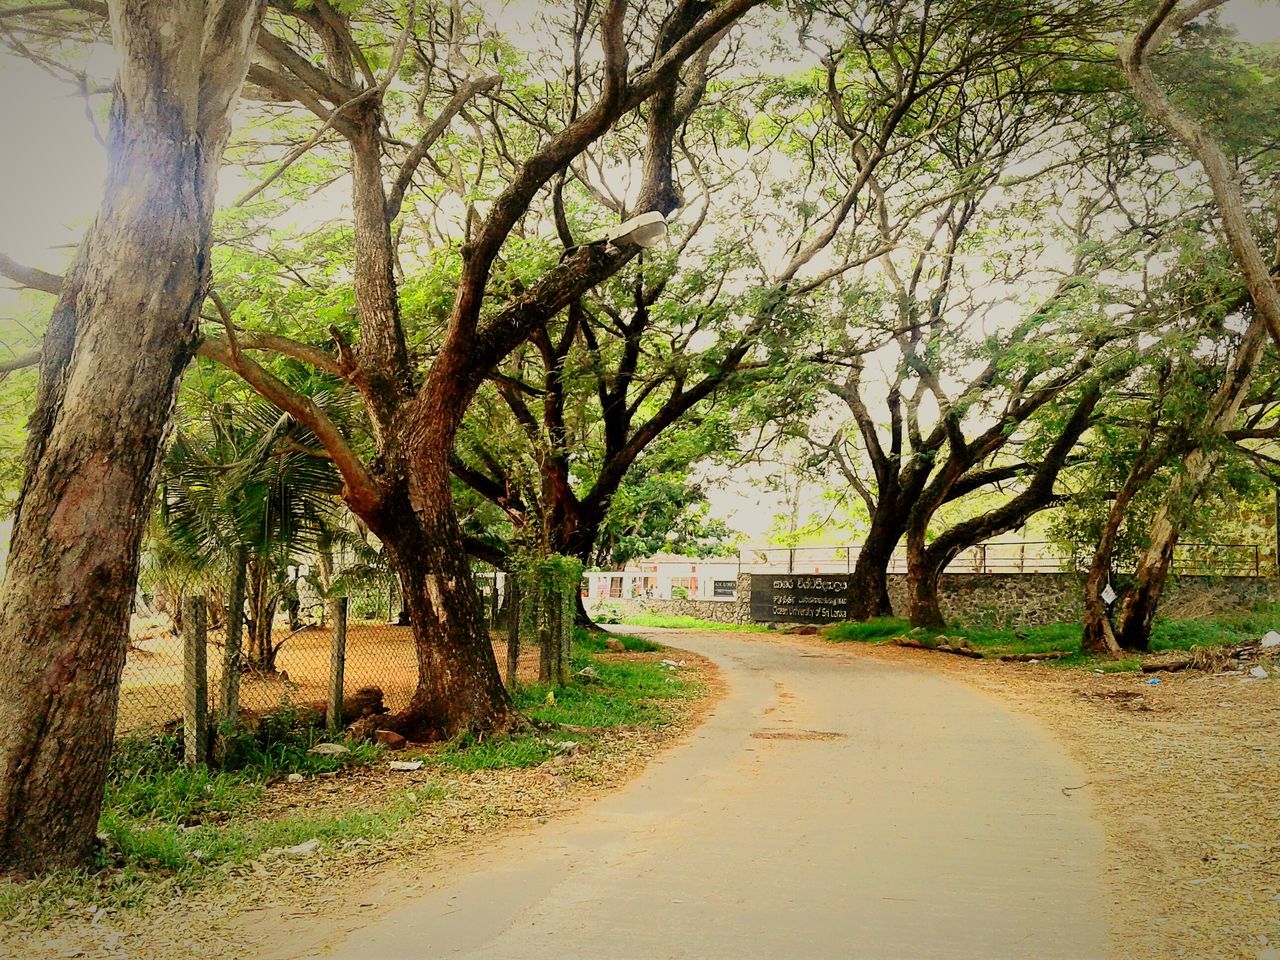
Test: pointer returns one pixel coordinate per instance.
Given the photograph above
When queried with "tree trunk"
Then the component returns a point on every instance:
(1098, 635)
(459, 687)
(924, 610)
(578, 542)
(262, 615)
(870, 595)
(121, 335)
(581, 618)
(1138, 609)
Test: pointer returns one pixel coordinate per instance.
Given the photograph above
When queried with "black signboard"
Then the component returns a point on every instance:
(800, 598)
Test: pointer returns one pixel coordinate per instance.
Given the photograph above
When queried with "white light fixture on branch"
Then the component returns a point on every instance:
(646, 230)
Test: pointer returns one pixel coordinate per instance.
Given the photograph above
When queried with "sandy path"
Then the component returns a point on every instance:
(828, 808)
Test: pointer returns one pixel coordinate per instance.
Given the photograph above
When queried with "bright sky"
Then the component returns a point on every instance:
(52, 167)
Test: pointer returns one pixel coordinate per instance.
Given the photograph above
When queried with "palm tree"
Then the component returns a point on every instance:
(245, 481)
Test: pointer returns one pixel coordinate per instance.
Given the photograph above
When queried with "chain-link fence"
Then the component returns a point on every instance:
(291, 667)
(355, 651)
(337, 661)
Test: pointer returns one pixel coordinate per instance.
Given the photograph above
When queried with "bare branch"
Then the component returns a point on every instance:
(30, 277)
(471, 88)
(20, 362)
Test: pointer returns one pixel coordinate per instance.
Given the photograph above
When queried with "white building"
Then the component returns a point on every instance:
(665, 578)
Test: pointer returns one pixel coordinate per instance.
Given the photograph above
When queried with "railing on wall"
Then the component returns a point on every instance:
(1027, 556)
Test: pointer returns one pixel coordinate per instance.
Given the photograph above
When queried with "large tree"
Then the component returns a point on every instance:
(995, 117)
(966, 380)
(1221, 155)
(122, 332)
(415, 405)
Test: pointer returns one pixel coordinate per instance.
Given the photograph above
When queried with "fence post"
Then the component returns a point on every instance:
(493, 603)
(337, 665)
(791, 560)
(559, 639)
(547, 657)
(546, 664)
(195, 682)
(235, 633)
(513, 630)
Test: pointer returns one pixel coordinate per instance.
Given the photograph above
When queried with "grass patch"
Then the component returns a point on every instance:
(165, 828)
(496, 753)
(156, 859)
(1167, 634)
(1220, 630)
(876, 630)
(683, 622)
(592, 641)
(630, 693)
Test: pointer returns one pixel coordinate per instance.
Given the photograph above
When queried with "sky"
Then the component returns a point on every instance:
(52, 167)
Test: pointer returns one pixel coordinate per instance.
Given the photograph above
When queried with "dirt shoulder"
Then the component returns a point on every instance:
(250, 910)
(1185, 777)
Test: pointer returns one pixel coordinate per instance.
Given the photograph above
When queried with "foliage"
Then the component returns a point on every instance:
(549, 588)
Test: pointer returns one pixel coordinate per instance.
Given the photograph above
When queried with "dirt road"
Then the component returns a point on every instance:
(828, 808)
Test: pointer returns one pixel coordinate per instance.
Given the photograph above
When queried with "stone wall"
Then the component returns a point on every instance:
(717, 611)
(1004, 599)
(1026, 599)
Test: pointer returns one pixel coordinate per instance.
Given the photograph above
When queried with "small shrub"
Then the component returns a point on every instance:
(607, 613)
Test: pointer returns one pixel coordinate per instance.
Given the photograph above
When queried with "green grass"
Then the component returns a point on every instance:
(1167, 634)
(496, 753)
(161, 859)
(628, 694)
(867, 631)
(167, 829)
(1221, 630)
(594, 641)
(683, 622)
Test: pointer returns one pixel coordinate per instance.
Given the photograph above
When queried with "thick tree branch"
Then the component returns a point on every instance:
(361, 489)
(30, 277)
(1222, 179)
(20, 362)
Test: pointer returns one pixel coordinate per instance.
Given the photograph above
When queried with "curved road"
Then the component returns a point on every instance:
(831, 807)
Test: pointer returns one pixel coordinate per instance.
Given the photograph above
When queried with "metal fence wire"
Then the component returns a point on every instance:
(996, 557)
(290, 669)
